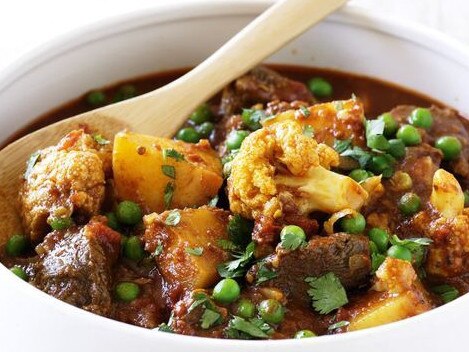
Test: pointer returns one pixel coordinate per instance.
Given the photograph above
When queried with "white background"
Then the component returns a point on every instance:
(26, 24)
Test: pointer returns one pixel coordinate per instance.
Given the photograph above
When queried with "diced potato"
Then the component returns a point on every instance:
(330, 121)
(189, 250)
(397, 294)
(447, 196)
(138, 162)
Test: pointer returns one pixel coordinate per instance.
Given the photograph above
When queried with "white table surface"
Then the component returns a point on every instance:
(26, 24)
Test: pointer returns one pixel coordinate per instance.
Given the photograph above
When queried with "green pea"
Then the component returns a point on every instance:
(235, 139)
(61, 223)
(320, 87)
(409, 135)
(450, 146)
(271, 311)
(359, 175)
(293, 233)
(304, 334)
(245, 309)
(133, 249)
(382, 164)
(188, 135)
(390, 124)
(18, 271)
(96, 98)
(409, 204)
(378, 142)
(400, 252)
(128, 213)
(380, 238)
(16, 245)
(396, 148)
(127, 291)
(353, 224)
(112, 221)
(226, 291)
(201, 114)
(466, 198)
(125, 92)
(205, 129)
(421, 117)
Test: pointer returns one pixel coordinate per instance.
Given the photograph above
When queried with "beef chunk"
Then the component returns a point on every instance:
(75, 266)
(347, 256)
(445, 122)
(261, 85)
(67, 179)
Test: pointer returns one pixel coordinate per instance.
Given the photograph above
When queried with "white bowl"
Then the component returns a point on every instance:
(171, 36)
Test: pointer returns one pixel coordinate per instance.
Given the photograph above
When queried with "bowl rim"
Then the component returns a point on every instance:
(168, 12)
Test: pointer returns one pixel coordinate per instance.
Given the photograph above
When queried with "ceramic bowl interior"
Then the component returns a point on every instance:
(179, 35)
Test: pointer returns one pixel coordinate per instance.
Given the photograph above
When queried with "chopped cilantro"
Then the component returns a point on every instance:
(417, 246)
(173, 218)
(172, 153)
(169, 171)
(237, 267)
(338, 105)
(308, 131)
(158, 250)
(239, 328)
(163, 327)
(197, 251)
(341, 145)
(264, 274)
(252, 118)
(33, 159)
(100, 139)
(376, 260)
(326, 292)
(227, 245)
(209, 318)
(358, 154)
(168, 194)
(339, 324)
(304, 110)
(446, 292)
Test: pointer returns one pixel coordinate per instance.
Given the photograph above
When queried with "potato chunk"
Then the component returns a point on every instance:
(189, 249)
(144, 173)
(397, 294)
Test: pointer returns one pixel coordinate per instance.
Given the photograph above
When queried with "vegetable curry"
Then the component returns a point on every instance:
(297, 202)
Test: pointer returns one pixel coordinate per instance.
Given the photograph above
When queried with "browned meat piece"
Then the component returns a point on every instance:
(347, 256)
(67, 180)
(148, 310)
(261, 85)
(445, 122)
(75, 266)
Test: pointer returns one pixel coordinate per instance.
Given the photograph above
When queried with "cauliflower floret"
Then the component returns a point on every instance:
(280, 167)
(65, 180)
(449, 253)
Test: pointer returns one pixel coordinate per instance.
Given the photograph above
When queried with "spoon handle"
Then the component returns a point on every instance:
(278, 25)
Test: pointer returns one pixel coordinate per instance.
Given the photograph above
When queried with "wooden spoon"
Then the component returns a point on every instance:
(163, 111)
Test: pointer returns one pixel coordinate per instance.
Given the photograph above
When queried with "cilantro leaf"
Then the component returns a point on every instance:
(417, 246)
(100, 139)
(326, 292)
(173, 153)
(173, 218)
(237, 267)
(158, 250)
(358, 154)
(447, 293)
(308, 131)
(169, 170)
(239, 328)
(163, 327)
(227, 245)
(264, 274)
(168, 194)
(209, 318)
(376, 260)
(341, 146)
(252, 118)
(292, 241)
(197, 251)
(304, 110)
